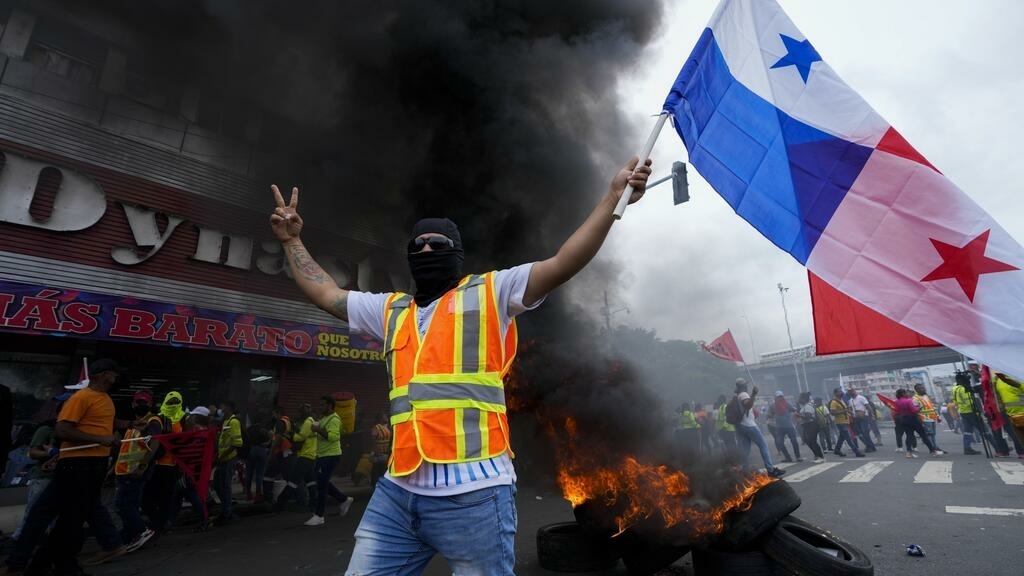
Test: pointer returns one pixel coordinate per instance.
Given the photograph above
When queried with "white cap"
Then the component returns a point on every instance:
(200, 411)
(79, 386)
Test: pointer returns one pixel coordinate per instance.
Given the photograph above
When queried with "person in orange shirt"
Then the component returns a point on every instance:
(85, 428)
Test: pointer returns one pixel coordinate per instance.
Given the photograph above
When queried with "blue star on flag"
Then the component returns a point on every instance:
(801, 54)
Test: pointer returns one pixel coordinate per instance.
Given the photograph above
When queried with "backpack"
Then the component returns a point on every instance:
(733, 411)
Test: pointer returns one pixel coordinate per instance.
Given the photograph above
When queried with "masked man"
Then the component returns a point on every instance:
(450, 483)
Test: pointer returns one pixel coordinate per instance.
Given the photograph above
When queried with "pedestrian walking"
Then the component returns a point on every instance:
(907, 411)
(747, 431)
(861, 419)
(809, 426)
(841, 415)
(726, 431)
(825, 424)
(782, 414)
(302, 480)
(134, 467)
(228, 443)
(328, 453)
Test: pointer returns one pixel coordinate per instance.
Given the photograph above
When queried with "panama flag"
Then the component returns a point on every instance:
(804, 159)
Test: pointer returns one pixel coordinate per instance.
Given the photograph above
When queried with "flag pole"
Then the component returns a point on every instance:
(749, 375)
(620, 208)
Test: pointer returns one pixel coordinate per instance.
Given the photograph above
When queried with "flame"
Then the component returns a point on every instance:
(642, 491)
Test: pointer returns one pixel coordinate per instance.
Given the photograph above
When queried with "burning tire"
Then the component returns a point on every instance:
(563, 547)
(752, 563)
(804, 548)
(769, 505)
(643, 557)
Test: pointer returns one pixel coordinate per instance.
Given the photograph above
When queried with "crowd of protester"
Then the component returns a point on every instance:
(278, 462)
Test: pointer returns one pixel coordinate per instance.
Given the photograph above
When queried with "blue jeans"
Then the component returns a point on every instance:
(783, 432)
(128, 499)
(400, 532)
(35, 489)
(255, 466)
(863, 428)
(844, 436)
(324, 467)
(752, 434)
(225, 472)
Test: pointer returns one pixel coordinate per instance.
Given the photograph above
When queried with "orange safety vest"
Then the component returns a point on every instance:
(131, 454)
(447, 389)
(167, 459)
(285, 445)
(928, 411)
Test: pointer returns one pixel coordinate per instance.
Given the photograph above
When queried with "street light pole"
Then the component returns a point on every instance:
(792, 351)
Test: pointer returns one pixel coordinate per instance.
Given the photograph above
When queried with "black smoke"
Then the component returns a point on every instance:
(499, 114)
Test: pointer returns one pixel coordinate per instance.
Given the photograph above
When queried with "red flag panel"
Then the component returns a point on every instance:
(193, 453)
(841, 324)
(725, 347)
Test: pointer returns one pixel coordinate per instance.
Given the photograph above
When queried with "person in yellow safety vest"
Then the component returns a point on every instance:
(133, 469)
(726, 431)
(825, 424)
(328, 454)
(965, 407)
(1010, 393)
(841, 416)
(228, 442)
(162, 487)
(928, 415)
(301, 480)
(281, 457)
(688, 434)
(447, 348)
(381, 447)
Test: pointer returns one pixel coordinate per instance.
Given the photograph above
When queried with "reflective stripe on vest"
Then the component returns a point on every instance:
(1011, 398)
(927, 409)
(447, 393)
(688, 420)
(131, 454)
(962, 399)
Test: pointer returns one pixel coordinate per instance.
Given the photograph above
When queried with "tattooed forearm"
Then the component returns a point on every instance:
(302, 263)
(340, 306)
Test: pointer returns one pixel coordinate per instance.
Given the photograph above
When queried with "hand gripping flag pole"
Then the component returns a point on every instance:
(620, 208)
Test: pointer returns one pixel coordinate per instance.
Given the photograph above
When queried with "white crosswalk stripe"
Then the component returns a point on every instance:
(935, 472)
(1010, 472)
(866, 472)
(986, 511)
(813, 470)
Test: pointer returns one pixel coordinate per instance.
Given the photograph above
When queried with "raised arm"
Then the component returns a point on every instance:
(584, 243)
(318, 286)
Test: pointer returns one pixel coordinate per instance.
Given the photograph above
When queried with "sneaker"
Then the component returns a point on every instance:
(787, 459)
(315, 521)
(799, 459)
(140, 540)
(913, 454)
(819, 460)
(776, 472)
(104, 556)
(971, 452)
(937, 453)
(908, 455)
(343, 508)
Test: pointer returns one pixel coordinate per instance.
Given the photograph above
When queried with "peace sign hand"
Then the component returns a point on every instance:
(285, 221)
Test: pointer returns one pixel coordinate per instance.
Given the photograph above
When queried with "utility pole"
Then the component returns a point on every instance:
(607, 312)
(750, 334)
(792, 351)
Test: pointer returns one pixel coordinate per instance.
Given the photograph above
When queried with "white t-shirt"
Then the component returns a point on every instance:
(748, 415)
(366, 315)
(860, 405)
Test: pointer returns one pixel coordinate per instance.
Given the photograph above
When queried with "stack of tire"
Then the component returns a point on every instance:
(762, 540)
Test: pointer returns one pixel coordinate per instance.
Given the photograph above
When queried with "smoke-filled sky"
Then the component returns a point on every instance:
(946, 74)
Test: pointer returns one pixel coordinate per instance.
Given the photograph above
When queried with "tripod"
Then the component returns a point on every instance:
(982, 422)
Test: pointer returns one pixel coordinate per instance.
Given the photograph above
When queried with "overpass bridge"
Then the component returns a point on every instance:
(779, 374)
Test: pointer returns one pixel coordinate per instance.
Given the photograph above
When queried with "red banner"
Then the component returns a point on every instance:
(724, 347)
(890, 403)
(988, 400)
(193, 452)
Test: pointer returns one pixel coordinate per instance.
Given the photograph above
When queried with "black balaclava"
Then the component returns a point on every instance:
(436, 271)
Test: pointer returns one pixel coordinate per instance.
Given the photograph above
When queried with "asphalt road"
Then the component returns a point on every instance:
(896, 501)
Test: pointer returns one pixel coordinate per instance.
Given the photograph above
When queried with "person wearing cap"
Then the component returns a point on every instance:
(199, 419)
(85, 427)
(301, 480)
(328, 454)
(449, 344)
(782, 414)
(747, 431)
(134, 468)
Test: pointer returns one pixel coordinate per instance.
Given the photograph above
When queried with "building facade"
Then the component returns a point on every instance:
(133, 225)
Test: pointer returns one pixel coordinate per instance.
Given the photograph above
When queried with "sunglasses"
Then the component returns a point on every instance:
(435, 243)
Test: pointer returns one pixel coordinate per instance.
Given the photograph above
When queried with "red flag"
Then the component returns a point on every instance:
(841, 324)
(988, 400)
(724, 347)
(890, 403)
(193, 453)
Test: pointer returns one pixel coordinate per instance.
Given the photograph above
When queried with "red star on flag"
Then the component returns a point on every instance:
(965, 263)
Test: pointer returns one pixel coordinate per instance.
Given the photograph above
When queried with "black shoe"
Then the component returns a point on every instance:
(776, 472)
(861, 455)
(971, 452)
(787, 459)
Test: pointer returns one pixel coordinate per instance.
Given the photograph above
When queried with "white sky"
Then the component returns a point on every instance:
(947, 74)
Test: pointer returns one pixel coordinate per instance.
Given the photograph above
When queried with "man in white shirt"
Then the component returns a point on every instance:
(861, 419)
(748, 433)
(460, 506)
